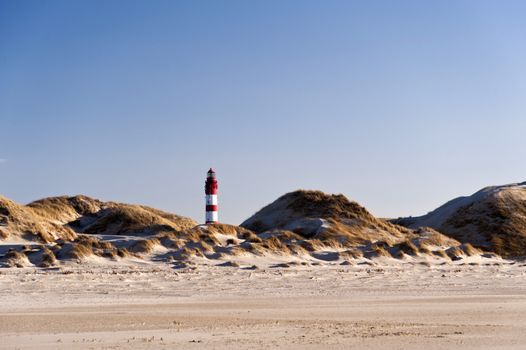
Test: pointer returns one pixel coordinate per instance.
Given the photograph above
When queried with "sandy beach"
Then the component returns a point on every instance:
(397, 306)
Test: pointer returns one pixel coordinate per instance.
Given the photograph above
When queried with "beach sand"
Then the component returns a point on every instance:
(152, 306)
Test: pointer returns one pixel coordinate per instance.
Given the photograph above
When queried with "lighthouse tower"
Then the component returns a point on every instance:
(211, 197)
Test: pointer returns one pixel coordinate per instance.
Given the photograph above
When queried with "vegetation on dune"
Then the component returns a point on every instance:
(319, 204)
(85, 246)
(352, 253)
(312, 245)
(144, 246)
(332, 219)
(377, 251)
(408, 247)
(497, 222)
(423, 249)
(65, 209)
(441, 253)
(304, 224)
(134, 220)
(455, 253)
(176, 221)
(14, 258)
(432, 237)
(50, 219)
(469, 249)
(492, 219)
(25, 222)
(48, 258)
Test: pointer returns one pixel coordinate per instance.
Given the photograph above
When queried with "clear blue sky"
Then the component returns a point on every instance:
(400, 105)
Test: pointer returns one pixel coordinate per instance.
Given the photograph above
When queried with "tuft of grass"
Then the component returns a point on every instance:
(441, 253)
(229, 264)
(255, 248)
(251, 237)
(332, 242)
(432, 237)
(170, 241)
(84, 246)
(223, 229)
(204, 247)
(312, 245)
(14, 258)
(109, 253)
(236, 251)
(123, 252)
(184, 254)
(144, 246)
(286, 235)
(297, 249)
(353, 253)
(455, 253)
(209, 239)
(78, 251)
(407, 247)
(274, 245)
(424, 249)
(377, 251)
(48, 258)
(469, 249)
(381, 245)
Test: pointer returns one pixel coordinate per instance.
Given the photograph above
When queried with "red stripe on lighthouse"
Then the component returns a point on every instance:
(211, 208)
(211, 190)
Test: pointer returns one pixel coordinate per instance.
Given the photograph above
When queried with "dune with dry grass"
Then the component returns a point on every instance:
(125, 219)
(53, 218)
(315, 221)
(26, 222)
(493, 218)
(330, 218)
(302, 227)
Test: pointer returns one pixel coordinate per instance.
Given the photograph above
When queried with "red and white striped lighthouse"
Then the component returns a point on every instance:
(211, 197)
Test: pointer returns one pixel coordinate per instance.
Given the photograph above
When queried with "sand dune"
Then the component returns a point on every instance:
(314, 213)
(17, 221)
(494, 219)
(50, 219)
(302, 227)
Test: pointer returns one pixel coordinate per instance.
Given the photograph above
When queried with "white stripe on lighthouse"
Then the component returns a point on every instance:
(211, 199)
(211, 216)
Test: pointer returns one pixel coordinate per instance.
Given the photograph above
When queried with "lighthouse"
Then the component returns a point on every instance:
(211, 197)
